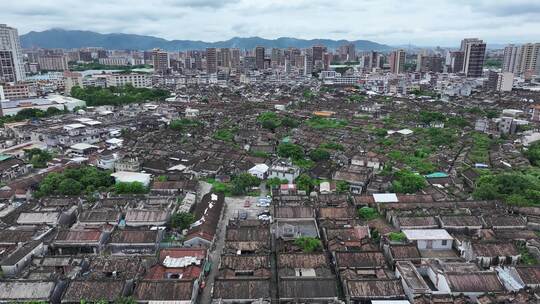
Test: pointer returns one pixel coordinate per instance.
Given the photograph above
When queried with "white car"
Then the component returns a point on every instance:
(263, 204)
(265, 217)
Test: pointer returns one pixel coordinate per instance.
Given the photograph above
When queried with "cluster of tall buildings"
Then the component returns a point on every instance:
(522, 59)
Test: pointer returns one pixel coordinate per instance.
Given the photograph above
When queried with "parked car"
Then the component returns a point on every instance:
(265, 217)
(243, 215)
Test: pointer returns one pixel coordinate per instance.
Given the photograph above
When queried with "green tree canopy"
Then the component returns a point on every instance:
(408, 182)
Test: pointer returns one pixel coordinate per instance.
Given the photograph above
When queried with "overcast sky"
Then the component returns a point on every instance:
(419, 22)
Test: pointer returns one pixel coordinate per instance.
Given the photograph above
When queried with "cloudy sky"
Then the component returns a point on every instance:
(419, 22)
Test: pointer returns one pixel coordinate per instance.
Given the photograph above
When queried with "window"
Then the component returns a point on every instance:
(444, 242)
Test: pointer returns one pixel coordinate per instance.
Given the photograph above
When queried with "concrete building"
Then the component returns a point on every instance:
(135, 79)
(455, 62)
(53, 62)
(474, 51)
(161, 61)
(522, 59)
(397, 62)
(347, 52)
(259, 57)
(11, 56)
(211, 60)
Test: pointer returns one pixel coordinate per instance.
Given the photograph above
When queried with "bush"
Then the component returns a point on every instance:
(38, 158)
(368, 213)
(332, 146)
(130, 188)
(342, 187)
(224, 135)
(275, 182)
(408, 182)
(184, 124)
(304, 182)
(182, 220)
(290, 150)
(319, 154)
(242, 183)
(308, 244)
(397, 236)
(326, 123)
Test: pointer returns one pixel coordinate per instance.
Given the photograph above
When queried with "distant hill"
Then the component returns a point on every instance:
(66, 39)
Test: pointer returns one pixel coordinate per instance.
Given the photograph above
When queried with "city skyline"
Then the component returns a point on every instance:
(387, 22)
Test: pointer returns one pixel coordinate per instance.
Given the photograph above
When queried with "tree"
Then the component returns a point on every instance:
(182, 220)
(289, 122)
(269, 120)
(308, 244)
(514, 188)
(533, 153)
(397, 236)
(38, 158)
(162, 178)
(304, 182)
(275, 182)
(290, 150)
(368, 213)
(70, 186)
(342, 187)
(130, 188)
(408, 182)
(243, 182)
(319, 154)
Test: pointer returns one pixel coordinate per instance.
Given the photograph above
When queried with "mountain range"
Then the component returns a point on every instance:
(67, 39)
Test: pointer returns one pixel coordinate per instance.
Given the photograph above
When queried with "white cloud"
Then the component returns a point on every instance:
(420, 22)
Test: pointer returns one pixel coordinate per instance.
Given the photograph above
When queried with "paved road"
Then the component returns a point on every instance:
(230, 211)
(215, 255)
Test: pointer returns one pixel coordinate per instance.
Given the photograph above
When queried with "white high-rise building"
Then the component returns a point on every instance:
(11, 56)
(522, 59)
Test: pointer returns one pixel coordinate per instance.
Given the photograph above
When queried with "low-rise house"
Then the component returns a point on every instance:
(241, 290)
(415, 222)
(357, 177)
(505, 221)
(462, 278)
(21, 257)
(130, 177)
(430, 239)
(520, 277)
(52, 218)
(402, 252)
(93, 291)
(140, 217)
(284, 170)
(363, 291)
(179, 263)
(360, 264)
(259, 170)
(79, 241)
(208, 214)
(346, 238)
(243, 239)
(488, 254)
(307, 289)
(242, 266)
(461, 223)
(99, 217)
(11, 168)
(27, 291)
(413, 283)
(295, 221)
(131, 241)
(166, 291)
